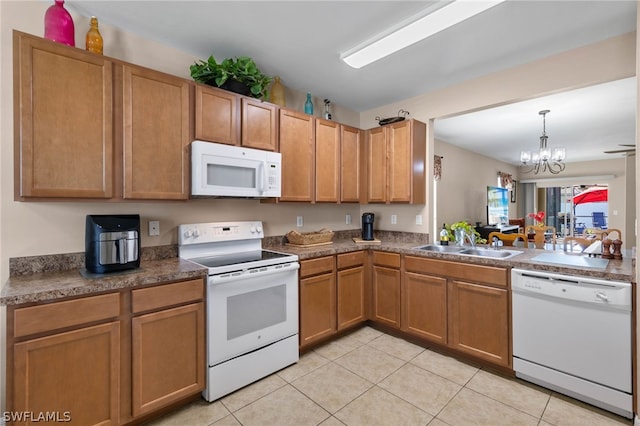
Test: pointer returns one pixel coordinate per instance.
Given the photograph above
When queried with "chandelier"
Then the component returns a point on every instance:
(544, 159)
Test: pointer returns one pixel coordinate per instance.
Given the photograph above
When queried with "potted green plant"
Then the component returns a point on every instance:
(468, 228)
(240, 75)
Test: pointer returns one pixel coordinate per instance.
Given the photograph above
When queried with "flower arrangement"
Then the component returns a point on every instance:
(538, 218)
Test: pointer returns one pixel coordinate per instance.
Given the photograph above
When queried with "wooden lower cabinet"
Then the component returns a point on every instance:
(479, 321)
(168, 356)
(331, 300)
(351, 293)
(107, 359)
(462, 306)
(317, 295)
(386, 289)
(424, 306)
(73, 375)
(386, 296)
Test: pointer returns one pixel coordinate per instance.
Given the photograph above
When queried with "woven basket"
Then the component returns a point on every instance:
(306, 238)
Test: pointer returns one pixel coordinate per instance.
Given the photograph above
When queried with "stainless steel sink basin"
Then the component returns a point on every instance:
(441, 249)
(468, 251)
(499, 254)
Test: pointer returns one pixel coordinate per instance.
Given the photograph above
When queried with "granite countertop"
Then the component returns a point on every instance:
(622, 270)
(35, 280)
(44, 286)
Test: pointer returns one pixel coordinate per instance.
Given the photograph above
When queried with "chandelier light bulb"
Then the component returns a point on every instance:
(525, 156)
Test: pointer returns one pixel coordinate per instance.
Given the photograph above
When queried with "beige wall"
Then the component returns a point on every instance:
(609, 60)
(461, 193)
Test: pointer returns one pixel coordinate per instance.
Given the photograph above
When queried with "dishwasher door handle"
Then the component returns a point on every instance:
(602, 296)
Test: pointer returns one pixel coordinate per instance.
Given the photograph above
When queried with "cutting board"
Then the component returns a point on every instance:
(361, 241)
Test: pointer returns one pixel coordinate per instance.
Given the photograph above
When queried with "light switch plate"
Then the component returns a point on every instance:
(347, 219)
(299, 221)
(394, 219)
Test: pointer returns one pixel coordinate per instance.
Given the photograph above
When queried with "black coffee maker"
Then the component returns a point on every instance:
(367, 226)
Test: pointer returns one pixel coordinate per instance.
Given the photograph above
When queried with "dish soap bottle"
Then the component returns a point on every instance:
(94, 39)
(444, 236)
(308, 105)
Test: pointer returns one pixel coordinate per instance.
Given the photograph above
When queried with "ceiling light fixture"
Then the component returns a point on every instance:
(425, 24)
(544, 159)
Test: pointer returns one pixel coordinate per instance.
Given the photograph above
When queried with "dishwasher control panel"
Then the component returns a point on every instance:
(615, 294)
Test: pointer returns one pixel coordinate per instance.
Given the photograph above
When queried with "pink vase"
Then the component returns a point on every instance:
(58, 24)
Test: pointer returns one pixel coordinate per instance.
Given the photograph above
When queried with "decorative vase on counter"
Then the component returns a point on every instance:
(277, 93)
(94, 38)
(58, 24)
(538, 237)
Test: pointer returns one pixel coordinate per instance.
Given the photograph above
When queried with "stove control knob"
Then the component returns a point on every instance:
(196, 233)
(259, 230)
(188, 233)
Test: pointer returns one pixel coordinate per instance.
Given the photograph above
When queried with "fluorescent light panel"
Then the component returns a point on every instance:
(425, 26)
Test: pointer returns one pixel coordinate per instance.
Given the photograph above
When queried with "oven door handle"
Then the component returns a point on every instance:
(258, 272)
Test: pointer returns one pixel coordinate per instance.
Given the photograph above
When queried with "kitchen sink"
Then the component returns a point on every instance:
(499, 254)
(469, 251)
(441, 249)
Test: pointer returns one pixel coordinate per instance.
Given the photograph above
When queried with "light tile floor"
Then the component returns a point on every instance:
(370, 378)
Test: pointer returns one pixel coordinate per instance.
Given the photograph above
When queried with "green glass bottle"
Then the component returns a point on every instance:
(308, 105)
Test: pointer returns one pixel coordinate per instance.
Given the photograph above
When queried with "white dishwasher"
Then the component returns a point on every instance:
(573, 335)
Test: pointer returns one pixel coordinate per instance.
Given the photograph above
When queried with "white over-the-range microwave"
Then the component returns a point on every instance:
(219, 170)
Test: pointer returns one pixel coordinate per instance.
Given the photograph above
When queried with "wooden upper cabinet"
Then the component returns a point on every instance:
(63, 121)
(259, 124)
(377, 165)
(396, 160)
(156, 131)
(217, 115)
(351, 161)
(327, 157)
(297, 146)
(399, 165)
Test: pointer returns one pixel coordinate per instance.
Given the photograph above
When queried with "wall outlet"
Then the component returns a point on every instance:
(299, 221)
(394, 219)
(347, 219)
(154, 228)
(418, 219)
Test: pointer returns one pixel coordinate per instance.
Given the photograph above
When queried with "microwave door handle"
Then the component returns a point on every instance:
(263, 177)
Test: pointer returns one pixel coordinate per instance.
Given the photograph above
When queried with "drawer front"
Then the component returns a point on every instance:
(347, 260)
(391, 260)
(53, 316)
(146, 299)
(463, 271)
(316, 266)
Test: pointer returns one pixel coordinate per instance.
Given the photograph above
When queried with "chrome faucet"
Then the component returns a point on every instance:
(462, 235)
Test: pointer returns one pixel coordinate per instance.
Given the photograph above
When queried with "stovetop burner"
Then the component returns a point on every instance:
(238, 258)
(225, 247)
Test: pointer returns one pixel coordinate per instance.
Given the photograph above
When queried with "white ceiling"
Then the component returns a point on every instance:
(301, 41)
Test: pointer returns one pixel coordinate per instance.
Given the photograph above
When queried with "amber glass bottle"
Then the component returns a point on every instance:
(277, 93)
(94, 39)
